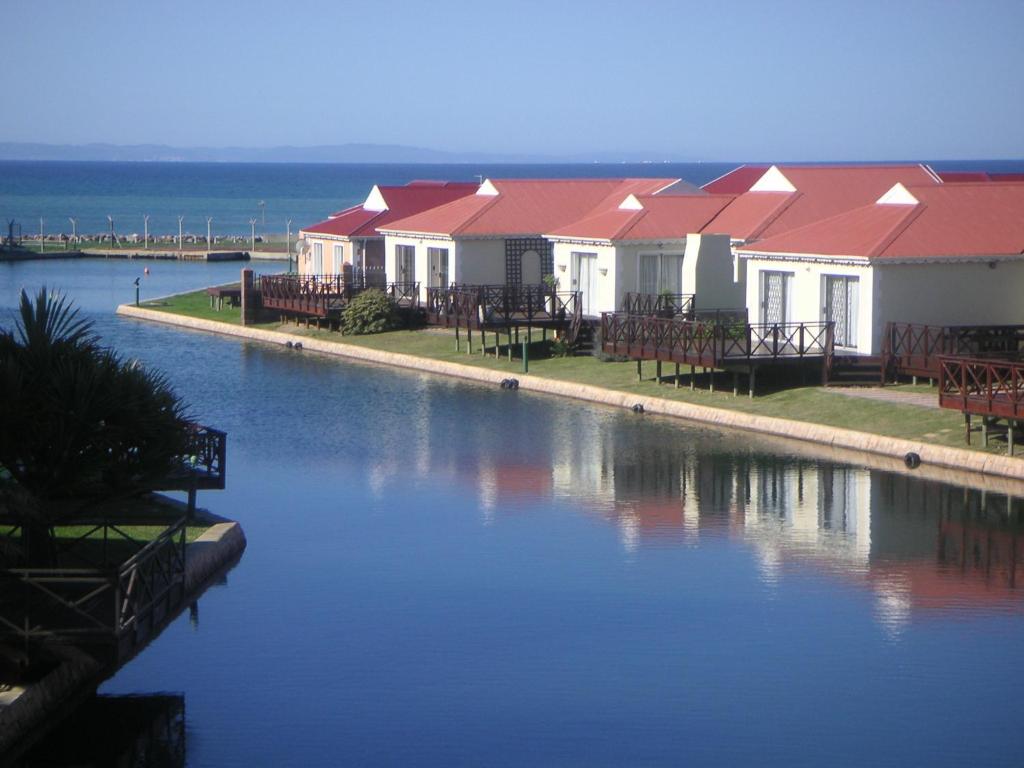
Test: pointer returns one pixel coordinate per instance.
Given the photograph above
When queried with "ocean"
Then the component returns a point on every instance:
(271, 193)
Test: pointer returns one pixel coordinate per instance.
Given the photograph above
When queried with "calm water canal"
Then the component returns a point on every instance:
(443, 574)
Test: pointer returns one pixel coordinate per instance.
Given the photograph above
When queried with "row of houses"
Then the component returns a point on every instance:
(857, 246)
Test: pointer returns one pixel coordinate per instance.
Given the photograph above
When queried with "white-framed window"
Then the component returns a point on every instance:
(660, 273)
(338, 258)
(318, 258)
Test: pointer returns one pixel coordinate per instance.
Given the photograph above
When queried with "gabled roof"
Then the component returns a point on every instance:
(737, 181)
(959, 177)
(647, 217)
(790, 196)
(504, 207)
(979, 220)
(390, 203)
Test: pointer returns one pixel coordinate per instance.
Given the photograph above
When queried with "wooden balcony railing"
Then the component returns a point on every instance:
(712, 345)
(982, 386)
(913, 349)
(489, 306)
(659, 304)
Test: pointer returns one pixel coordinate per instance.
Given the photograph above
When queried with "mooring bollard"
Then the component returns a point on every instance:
(526, 356)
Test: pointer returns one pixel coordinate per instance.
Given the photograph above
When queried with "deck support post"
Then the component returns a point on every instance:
(735, 383)
(913, 380)
(984, 431)
(676, 379)
(510, 344)
(1010, 425)
(693, 377)
(469, 341)
(753, 376)
(967, 427)
(657, 372)
(711, 379)
(457, 339)
(639, 370)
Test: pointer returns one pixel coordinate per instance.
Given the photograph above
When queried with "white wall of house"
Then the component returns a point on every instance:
(958, 293)
(479, 262)
(607, 279)
(708, 272)
(935, 293)
(806, 298)
(327, 243)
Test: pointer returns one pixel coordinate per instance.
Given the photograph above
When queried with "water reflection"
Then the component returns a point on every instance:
(117, 731)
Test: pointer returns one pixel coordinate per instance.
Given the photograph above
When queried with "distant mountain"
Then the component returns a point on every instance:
(337, 153)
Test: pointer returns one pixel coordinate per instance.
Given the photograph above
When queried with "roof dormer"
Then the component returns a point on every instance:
(898, 195)
(773, 180)
(487, 189)
(375, 201)
(631, 203)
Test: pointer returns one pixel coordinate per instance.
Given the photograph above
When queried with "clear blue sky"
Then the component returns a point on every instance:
(708, 80)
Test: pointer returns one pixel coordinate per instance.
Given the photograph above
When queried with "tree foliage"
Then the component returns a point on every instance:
(372, 311)
(78, 422)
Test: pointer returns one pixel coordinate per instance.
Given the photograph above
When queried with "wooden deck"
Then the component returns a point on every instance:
(714, 345)
(504, 307)
(913, 349)
(982, 386)
(325, 296)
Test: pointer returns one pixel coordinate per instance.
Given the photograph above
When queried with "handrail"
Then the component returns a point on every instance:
(982, 385)
(915, 348)
(660, 304)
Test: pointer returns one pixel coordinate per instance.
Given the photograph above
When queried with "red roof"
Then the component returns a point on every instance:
(525, 206)
(820, 192)
(959, 177)
(414, 197)
(954, 221)
(737, 181)
(668, 217)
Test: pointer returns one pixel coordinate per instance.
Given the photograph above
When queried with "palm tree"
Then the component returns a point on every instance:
(79, 425)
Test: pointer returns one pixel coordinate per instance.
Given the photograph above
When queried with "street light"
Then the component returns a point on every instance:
(74, 228)
(113, 237)
(263, 212)
(145, 236)
(209, 220)
(288, 244)
(40, 234)
(252, 223)
(180, 241)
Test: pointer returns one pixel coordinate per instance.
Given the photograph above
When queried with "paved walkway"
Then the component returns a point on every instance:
(889, 395)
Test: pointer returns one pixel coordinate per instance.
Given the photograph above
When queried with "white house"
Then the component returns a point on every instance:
(943, 255)
(496, 236)
(649, 244)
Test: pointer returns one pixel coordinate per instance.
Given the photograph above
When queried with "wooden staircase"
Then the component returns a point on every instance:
(855, 370)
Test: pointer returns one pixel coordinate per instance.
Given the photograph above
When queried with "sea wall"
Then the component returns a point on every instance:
(956, 459)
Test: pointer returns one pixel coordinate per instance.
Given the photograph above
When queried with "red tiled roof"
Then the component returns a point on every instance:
(821, 191)
(737, 181)
(954, 221)
(668, 217)
(414, 197)
(958, 177)
(524, 206)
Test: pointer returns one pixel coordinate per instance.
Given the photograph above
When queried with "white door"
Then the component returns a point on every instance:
(405, 255)
(318, 258)
(841, 308)
(775, 297)
(584, 280)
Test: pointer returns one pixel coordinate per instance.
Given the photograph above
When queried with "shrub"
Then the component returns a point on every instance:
(369, 312)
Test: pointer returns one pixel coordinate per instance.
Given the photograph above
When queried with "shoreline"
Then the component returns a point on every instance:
(946, 460)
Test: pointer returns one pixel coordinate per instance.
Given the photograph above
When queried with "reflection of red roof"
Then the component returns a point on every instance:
(820, 192)
(957, 220)
(737, 181)
(414, 197)
(668, 217)
(523, 479)
(525, 207)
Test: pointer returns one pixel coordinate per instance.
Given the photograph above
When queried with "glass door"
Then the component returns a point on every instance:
(774, 297)
(438, 258)
(405, 256)
(841, 308)
(584, 280)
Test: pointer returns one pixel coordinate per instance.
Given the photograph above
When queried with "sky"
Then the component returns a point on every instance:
(865, 80)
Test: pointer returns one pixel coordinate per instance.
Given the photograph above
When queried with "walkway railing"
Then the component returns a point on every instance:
(96, 604)
(982, 386)
(713, 345)
(914, 349)
(503, 306)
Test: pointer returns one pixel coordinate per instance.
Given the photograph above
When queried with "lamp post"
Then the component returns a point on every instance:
(40, 234)
(74, 228)
(252, 223)
(180, 240)
(113, 237)
(288, 243)
(209, 221)
(262, 204)
(145, 229)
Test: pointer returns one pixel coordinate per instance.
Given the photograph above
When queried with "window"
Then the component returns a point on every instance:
(660, 273)
(438, 259)
(338, 260)
(841, 307)
(318, 258)
(776, 288)
(405, 263)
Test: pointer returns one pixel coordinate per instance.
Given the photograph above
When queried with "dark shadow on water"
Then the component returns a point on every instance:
(144, 730)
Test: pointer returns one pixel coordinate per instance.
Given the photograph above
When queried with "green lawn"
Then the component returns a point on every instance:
(809, 403)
